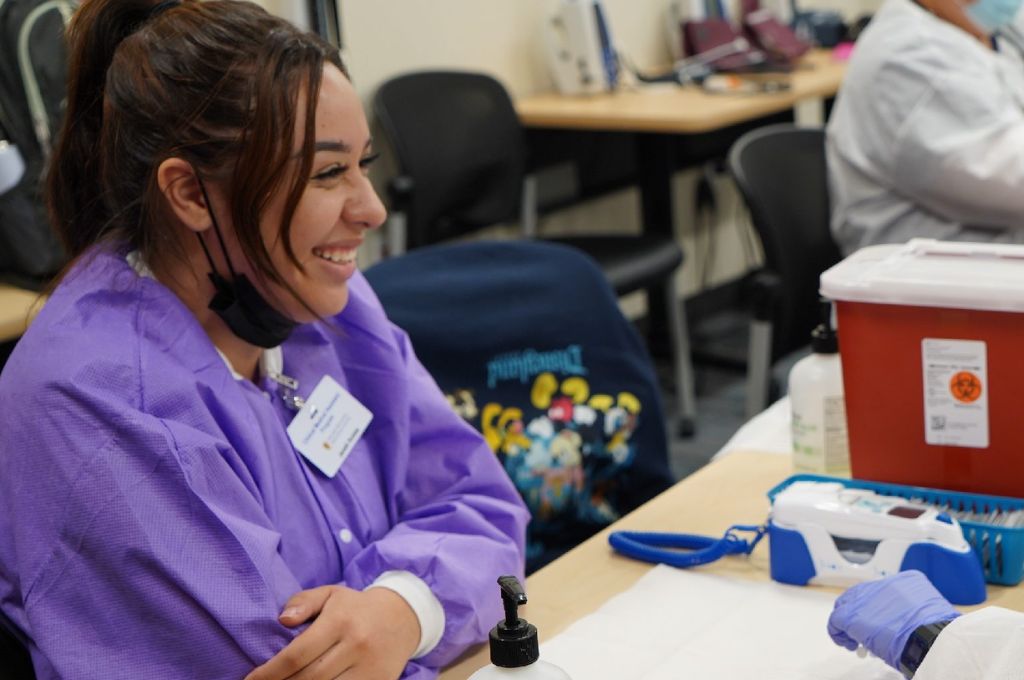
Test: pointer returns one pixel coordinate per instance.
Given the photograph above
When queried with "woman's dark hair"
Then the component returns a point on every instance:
(215, 83)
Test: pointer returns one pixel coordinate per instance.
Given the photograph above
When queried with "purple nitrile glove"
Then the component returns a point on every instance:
(882, 614)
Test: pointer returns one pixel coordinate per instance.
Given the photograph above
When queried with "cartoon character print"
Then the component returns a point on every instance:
(463, 403)
(565, 460)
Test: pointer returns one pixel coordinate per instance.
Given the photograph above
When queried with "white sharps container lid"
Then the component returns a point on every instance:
(930, 273)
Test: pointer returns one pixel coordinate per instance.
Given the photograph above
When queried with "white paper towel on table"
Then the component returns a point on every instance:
(676, 624)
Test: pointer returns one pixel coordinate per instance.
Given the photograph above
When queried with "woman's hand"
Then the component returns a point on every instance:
(356, 635)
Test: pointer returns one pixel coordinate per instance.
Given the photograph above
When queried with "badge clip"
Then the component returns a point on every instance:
(286, 391)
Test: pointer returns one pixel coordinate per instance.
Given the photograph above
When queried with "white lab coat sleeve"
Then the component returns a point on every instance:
(960, 150)
(987, 643)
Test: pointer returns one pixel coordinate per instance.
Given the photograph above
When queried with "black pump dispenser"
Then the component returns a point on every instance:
(513, 641)
(823, 338)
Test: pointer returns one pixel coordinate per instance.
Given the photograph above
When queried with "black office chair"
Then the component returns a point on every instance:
(462, 166)
(780, 171)
(527, 340)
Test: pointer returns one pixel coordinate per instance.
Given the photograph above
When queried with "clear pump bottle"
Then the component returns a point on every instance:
(515, 650)
(820, 443)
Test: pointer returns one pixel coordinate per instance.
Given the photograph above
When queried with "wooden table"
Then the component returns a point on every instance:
(657, 111)
(17, 306)
(669, 108)
(725, 492)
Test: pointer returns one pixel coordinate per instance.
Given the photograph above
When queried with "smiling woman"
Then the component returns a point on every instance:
(218, 453)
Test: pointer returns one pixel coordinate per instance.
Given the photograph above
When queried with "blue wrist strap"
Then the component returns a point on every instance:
(650, 546)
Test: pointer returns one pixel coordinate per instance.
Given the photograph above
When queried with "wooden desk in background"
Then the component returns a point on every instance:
(16, 308)
(668, 108)
(657, 111)
(725, 492)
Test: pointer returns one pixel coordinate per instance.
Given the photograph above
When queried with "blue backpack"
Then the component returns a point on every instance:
(527, 341)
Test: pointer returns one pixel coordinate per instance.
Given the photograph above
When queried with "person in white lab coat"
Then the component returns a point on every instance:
(904, 621)
(927, 134)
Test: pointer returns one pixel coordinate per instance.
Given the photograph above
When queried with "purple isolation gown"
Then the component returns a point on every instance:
(154, 516)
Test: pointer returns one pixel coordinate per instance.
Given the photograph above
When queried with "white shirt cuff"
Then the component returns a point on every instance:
(423, 602)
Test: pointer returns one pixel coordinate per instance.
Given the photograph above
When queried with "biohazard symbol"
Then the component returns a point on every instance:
(965, 387)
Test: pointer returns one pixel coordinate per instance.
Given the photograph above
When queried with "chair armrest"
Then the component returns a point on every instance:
(400, 190)
(765, 288)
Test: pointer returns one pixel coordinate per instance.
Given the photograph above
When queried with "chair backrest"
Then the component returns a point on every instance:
(527, 340)
(780, 171)
(457, 137)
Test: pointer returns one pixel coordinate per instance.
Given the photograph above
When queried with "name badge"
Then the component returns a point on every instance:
(328, 426)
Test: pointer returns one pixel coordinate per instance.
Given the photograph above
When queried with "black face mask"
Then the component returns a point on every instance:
(239, 304)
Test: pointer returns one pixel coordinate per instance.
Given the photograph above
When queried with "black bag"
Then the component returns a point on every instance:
(33, 69)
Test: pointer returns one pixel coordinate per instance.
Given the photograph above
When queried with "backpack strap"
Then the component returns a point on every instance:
(33, 95)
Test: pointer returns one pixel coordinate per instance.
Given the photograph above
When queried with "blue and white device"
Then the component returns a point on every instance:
(826, 533)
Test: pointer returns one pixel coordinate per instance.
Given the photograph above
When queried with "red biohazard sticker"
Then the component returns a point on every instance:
(965, 387)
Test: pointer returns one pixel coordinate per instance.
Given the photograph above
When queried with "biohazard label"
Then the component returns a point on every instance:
(955, 392)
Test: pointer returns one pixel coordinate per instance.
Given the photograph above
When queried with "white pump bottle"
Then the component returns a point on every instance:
(820, 443)
(515, 651)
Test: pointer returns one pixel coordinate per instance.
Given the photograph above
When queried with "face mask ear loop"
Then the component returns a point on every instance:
(216, 229)
(207, 252)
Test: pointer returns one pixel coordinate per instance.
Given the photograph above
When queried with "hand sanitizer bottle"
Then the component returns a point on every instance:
(515, 652)
(820, 443)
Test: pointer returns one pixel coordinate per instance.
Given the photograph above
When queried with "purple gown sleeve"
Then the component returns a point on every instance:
(159, 561)
(461, 523)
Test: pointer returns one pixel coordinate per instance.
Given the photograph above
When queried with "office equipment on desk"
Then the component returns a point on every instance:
(843, 51)
(706, 36)
(770, 44)
(775, 38)
(932, 366)
(822, 531)
(580, 51)
(993, 525)
(731, 83)
(700, 68)
(818, 27)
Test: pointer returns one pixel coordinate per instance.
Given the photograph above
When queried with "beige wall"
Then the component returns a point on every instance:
(502, 37)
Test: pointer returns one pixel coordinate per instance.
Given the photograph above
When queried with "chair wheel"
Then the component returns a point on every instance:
(686, 427)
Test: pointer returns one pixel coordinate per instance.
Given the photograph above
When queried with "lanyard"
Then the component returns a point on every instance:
(650, 546)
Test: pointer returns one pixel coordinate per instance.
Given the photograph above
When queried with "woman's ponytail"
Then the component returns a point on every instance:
(75, 195)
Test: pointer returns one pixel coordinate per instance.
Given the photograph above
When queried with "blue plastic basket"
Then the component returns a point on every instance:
(1000, 549)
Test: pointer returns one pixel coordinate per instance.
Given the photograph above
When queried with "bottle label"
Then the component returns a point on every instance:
(820, 445)
(955, 381)
(837, 444)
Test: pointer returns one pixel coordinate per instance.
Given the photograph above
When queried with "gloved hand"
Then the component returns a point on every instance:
(882, 614)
